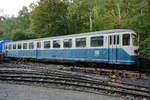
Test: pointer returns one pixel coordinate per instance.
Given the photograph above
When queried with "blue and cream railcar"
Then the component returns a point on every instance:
(110, 46)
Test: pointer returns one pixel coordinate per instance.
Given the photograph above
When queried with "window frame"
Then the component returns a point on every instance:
(26, 46)
(55, 44)
(101, 36)
(134, 39)
(125, 39)
(110, 39)
(32, 45)
(15, 46)
(118, 39)
(85, 42)
(70, 43)
(48, 43)
(6, 46)
(19, 46)
(38, 46)
(10, 46)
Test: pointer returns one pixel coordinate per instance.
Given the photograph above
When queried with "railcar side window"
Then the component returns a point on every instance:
(19, 46)
(46, 44)
(38, 44)
(56, 44)
(6, 47)
(14, 46)
(31, 45)
(10, 47)
(126, 39)
(24, 45)
(67, 43)
(81, 42)
(134, 39)
(97, 41)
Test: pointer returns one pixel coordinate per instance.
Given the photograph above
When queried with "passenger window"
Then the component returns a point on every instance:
(126, 39)
(46, 44)
(31, 45)
(10, 47)
(38, 44)
(67, 43)
(110, 40)
(56, 44)
(97, 41)
(118, 39)
(24, 45)
(19, 46)
(81, 42)
(14, 46)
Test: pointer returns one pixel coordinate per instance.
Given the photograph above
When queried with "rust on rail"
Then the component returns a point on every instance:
(106, 71)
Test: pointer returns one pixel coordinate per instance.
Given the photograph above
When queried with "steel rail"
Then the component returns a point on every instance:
(79, 84)
(79, 77)
(79, 80)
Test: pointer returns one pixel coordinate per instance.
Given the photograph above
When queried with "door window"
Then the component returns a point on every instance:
(110, 40)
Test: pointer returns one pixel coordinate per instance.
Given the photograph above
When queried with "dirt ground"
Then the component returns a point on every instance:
(25, 92)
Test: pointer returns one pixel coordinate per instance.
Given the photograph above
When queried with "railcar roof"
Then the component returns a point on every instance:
(83, 34)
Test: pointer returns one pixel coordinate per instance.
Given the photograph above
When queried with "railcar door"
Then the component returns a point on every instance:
(114, 49)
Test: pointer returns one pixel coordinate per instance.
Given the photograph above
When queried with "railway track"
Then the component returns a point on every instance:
(79, 82)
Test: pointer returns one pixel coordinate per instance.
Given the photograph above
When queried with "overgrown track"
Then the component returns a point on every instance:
(68, 79)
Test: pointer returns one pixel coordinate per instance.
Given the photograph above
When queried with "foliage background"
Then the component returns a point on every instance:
(55, 17)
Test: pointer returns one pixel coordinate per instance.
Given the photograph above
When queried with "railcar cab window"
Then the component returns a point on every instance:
(38, 44)
(126, 39)
(134, 39)
(46, 44)
(14, 46)
(19, 46)
(67, 43)
(81, 42)
(56, 44)
(97, 41)
(24, 45)
(31, 45)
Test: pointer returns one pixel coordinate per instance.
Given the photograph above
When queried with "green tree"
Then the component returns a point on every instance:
(21, 23)
(18, 34)
(78, 17)
(49, 18)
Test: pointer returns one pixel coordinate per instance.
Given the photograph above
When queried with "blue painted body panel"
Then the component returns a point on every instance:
(100, 55)
(1, 44)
